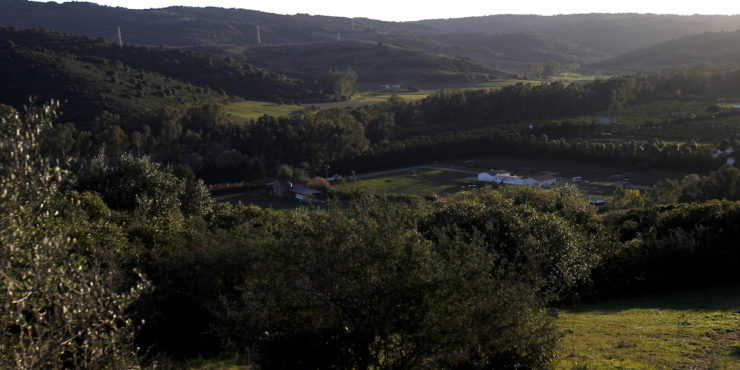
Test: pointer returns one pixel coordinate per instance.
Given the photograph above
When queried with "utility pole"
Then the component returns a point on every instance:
(120, 39)
(259, 39)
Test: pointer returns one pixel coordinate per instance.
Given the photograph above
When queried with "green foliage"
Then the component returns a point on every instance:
(549, 239)
(666, 191)
(672, 246)
(359, 287)
(319, 183)
(284, 172)
(143, 186)
(58, 307)
(340, 84)
(624, 198)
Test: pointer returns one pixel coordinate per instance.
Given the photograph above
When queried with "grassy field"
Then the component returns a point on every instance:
(258, 197)
(249, 110)
(656, 112)
(598, 181)
(687, 330)
(373, 97)
(577, 77)
(418, 182)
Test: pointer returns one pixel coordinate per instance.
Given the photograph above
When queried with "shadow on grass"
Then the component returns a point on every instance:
(726, 298)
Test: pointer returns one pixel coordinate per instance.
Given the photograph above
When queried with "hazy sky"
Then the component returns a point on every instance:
(403, 10)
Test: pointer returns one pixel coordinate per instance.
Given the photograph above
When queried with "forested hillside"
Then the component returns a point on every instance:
(719, 47)
(375, 63)
(90, 85)
(612, 34)
(230, 76)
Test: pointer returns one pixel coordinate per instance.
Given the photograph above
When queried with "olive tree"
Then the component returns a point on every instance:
(58, 307)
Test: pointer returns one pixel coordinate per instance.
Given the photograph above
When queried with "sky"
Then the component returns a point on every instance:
(409, 10)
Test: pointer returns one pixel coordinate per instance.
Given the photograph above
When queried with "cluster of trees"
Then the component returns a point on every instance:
(340, 84)
(671, 246)
(204, 141)
(460, 282)
(721, 184)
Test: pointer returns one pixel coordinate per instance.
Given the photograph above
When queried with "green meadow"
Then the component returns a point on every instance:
(697, 329)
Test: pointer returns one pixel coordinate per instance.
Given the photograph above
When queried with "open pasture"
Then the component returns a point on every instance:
(249, 110)
(416, 182)
(697, 329)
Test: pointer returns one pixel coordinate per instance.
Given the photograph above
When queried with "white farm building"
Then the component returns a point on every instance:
(505, 177)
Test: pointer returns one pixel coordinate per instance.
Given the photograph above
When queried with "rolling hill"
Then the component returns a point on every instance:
(232, 76)
(611, 34)
(185, 27)
(303, 46)
(90, 85)
(692, 50)
(374, 62)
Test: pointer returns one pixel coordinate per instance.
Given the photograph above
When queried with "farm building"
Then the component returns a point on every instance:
(607, 120)
(303, 193)
(288, 189)
(488, 176)
(506, 178)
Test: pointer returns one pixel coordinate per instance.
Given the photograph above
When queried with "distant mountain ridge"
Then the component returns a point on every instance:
(480, 46)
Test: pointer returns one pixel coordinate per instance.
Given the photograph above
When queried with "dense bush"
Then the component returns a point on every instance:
(691, 244)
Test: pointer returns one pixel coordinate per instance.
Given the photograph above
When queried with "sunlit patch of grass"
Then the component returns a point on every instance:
(418, 182)
(697, 329)
(249, 110)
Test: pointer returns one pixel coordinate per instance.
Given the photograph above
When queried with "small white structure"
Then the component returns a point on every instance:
(731, 160)
(608, 120)
(737, 106)
(720, 152)
(577, 179)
